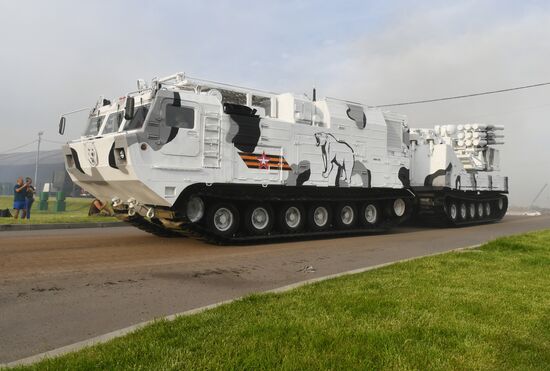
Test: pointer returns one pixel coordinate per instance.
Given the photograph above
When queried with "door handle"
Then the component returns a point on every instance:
(192, 133)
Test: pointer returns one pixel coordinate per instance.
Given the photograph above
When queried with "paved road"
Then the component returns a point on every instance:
(63, 286)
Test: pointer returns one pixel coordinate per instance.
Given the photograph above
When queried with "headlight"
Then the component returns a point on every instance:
(115, 201)
(131, 202)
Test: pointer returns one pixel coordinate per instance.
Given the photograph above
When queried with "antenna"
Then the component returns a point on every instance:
(537, 196)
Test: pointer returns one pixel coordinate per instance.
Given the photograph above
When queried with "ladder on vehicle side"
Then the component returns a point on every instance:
(212, 136)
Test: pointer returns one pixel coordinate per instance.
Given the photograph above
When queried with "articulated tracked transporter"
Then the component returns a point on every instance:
(190, 157)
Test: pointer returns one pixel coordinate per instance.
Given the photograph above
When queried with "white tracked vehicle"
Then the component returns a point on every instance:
(196, 158)
(454, 174)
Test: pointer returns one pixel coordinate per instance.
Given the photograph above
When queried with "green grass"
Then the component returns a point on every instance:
(485, 309)
(76, 212)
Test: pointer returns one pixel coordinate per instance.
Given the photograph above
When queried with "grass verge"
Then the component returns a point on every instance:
(487, 308)
(76, 212)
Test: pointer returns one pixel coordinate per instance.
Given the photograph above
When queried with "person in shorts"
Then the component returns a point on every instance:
(19, 196)
(29, 198)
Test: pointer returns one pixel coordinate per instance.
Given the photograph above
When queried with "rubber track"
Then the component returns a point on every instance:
(199, 232)
(438, 214)
(150, 227)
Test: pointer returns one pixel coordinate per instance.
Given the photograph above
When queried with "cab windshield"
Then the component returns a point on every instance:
(94, 124)
(113, 123)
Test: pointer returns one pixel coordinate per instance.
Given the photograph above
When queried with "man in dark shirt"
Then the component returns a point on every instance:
(19, 196)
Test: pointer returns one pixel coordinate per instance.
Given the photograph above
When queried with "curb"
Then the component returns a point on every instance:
(43, 227)
(127, 330)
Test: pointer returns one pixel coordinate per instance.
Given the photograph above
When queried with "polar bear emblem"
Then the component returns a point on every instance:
(336, 153)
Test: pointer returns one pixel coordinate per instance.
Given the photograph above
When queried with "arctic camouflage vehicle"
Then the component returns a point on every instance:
(189, 157)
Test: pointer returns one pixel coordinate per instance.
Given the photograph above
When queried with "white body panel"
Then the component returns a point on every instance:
(328, 143)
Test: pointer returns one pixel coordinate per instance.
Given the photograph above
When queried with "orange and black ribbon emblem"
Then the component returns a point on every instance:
(264, 161)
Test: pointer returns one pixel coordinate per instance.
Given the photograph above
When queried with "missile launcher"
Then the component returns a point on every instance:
(455, 173)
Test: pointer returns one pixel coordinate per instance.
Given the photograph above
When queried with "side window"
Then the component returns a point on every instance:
(139, 118)
(229, 96)
(113, 123)
(180, 117)
(263, 103)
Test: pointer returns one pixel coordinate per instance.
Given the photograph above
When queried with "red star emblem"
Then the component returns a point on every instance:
(264, 161)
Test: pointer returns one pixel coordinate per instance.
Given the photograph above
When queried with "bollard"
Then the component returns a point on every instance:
(43, 206)
(60, 204)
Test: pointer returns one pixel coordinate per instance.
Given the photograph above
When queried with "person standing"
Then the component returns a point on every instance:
(29, 198)
(19, 196)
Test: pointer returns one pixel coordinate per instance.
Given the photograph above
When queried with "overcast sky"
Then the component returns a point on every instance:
(61, 55)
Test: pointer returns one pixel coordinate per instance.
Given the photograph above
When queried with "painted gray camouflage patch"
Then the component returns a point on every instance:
(244, 130)
(300, 174)
(156, 134)
(357, 114)
(365, 174)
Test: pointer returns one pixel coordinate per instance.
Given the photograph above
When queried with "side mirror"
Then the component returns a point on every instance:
(129, 109)
(62, 123)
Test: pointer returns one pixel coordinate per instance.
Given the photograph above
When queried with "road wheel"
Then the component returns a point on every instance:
(399, 207)
(259, 219)
(291, 218)
(370, 214)
(195, 209)
(463, 211)
(453, 211)
(472, 211)
(223, 219)
(346, 215)
(319, 217)
(480, 210)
